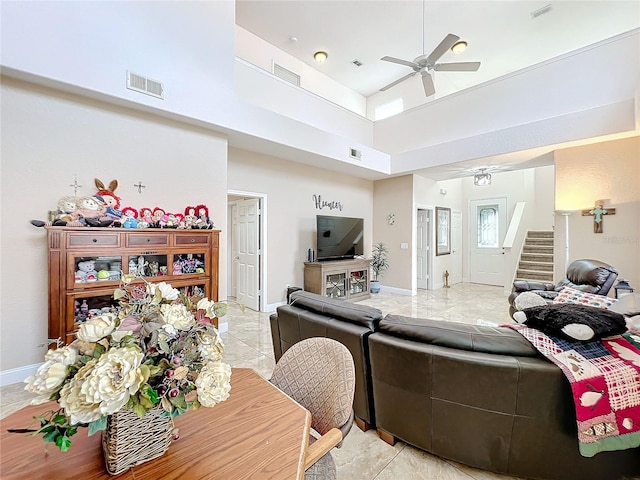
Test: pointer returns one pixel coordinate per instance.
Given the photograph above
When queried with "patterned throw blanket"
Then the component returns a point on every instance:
(605, 381)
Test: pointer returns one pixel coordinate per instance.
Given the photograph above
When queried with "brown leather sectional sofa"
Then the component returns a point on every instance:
(478, 395)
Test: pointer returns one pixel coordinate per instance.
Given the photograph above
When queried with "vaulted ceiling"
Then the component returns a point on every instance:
(507, 37)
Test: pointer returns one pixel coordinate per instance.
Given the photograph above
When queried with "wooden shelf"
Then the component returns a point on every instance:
(346, 279)
(189, 261)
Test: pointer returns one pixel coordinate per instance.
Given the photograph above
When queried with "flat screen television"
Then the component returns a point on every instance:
(339, 237)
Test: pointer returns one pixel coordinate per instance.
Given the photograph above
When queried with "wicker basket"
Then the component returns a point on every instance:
(130, 440)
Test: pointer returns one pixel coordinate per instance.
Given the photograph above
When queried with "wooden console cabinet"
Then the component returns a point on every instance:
(347, 279)
(187, 259)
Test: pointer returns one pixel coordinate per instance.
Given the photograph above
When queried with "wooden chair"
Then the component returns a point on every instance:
(319, 374)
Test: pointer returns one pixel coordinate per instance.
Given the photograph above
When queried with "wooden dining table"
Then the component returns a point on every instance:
(257, 433)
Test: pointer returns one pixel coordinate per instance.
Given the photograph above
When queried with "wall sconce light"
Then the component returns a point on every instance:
(443, 191)
(459, 47)
(482, 179)
(391, 218)
(320, 56)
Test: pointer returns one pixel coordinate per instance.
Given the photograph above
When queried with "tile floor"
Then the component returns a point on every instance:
(363, 455)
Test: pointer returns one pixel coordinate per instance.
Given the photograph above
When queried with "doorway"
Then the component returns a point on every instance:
(487, 228)
(246, 242)
(423, 249)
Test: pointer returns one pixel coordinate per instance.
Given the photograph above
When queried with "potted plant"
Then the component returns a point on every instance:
(379, 263)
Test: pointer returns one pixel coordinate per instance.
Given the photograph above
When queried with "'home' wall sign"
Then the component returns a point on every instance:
(320, 204)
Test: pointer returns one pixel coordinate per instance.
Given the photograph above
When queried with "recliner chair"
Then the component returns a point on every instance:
(590, 276)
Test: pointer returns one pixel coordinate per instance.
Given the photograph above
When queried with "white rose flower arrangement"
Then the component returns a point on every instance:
(158, 349)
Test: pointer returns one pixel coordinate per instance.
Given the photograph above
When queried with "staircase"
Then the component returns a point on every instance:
(536, 260)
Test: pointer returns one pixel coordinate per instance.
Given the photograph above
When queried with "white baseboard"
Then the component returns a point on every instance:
(271, 307)
(397, 291)
(17, 375)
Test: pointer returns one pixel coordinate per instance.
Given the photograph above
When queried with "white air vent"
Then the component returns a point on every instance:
(357, 154)
(286, 75)
(541, 11)
(144, 85)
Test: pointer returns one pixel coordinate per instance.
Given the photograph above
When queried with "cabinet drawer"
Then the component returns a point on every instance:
(98, 239)
(141, 240)
(192, 239)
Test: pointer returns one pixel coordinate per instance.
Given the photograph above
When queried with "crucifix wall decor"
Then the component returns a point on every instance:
(598, 212)
(140, 186)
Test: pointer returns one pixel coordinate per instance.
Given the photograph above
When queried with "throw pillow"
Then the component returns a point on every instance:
(571, 295)
(574, 321)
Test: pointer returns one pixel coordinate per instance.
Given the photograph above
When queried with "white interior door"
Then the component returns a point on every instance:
(487, 228)
(422, 249)
(455, 276)
(247, 247)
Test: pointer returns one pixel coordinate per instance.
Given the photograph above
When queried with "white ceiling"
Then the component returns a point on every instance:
(503, 35)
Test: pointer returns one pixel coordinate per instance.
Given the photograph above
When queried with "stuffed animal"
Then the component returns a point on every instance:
(111, 200)
(130, 217)
(573, 321)
(91, 211)
(86, 271)
(527, 300)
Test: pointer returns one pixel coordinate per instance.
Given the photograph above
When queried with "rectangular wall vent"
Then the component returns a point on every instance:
(357, 154)
(145, 85)
(287, 75)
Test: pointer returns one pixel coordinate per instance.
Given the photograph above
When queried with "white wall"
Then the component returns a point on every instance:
(427, 194)
(528, 185)
(189, 46)
(47, 138)
(608, 171)
(256, 51)
(291, 228)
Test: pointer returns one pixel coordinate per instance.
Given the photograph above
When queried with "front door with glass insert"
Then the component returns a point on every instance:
(487, 227)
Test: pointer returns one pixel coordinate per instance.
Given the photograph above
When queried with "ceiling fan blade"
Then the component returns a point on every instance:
(457, 67)
(427, 83)
(441, 49)
(401, 79)
(400, 61)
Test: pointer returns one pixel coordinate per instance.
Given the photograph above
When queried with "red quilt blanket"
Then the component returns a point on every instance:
(605, 381)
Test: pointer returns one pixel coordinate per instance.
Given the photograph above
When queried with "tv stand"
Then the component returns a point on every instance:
(346, 279)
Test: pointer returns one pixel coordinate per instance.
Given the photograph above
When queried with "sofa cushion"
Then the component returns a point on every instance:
(339, 309)
(475, 338)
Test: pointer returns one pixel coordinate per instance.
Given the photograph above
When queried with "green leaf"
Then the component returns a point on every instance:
(179, 401)
(164, 346)
(96, 425)
(220, 309)
(51, 436)
(152, 395)
(64, 443)
(118, 293)
(139, 410)
(98, 351)
(59, 419)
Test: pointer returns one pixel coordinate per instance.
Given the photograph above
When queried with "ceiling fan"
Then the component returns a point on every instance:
(423, 64)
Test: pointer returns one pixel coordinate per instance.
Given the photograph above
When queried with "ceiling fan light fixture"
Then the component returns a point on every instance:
(459, 47)
(482, 179)
(320, 56)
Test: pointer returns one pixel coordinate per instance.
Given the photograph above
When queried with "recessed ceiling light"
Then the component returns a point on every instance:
(459, 47)
(320, 56)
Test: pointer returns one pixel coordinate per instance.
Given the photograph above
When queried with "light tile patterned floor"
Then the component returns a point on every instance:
(363, 455)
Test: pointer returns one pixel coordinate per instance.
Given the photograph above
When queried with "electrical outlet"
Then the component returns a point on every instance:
(404, 246)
